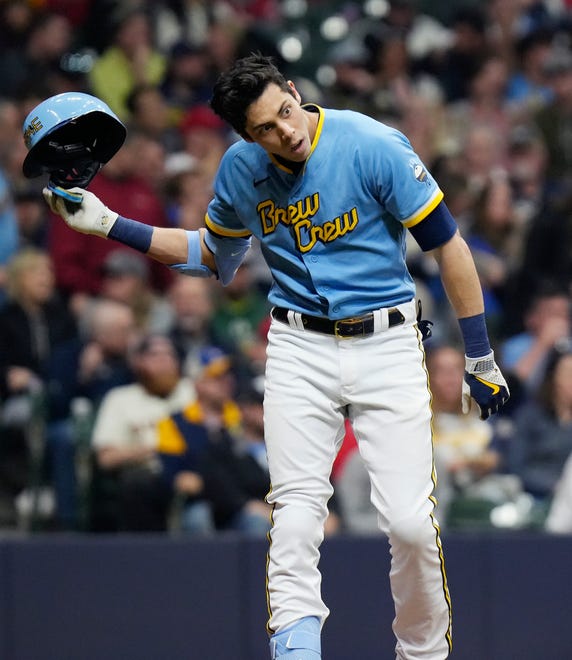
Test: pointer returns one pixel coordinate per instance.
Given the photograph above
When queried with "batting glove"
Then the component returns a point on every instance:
(90, 216)
(485, 384)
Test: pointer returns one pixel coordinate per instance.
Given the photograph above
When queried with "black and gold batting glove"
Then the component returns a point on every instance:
(484, 383)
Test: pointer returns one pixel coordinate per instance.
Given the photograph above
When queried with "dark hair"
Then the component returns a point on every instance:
(146, 343)
(545, 392)
(473, 17)
(547, 288)
(241, 85)
(132, 99)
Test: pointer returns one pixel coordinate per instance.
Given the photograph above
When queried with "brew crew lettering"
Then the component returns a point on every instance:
(308, 234)
(271, 215)
(298, 216)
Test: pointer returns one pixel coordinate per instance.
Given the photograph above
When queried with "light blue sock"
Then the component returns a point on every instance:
(301, 641)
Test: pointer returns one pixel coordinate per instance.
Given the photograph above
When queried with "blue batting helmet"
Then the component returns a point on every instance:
(71, 135)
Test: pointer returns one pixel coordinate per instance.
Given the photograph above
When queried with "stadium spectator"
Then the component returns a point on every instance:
(33, 323)
(83, 369)
(192, 304)
(188, 190)
(125, 279)
(468, 458)
(224, 37)
(31, 218)
(454, 65)
(130, 60)
(187, 81)
(16, 18)
(553, 119)
(235, 472)
(353, 82)
(150, 115)
(9, 236)
(205, 138)
(527, 89)
(526, 168)
(150, 164)
(34, 62)
(125, 437)
(425, 34)
(542, 204)
(184, 437)
(543, 429)
(10, 124)
(546, 323)
(485, 105)
(494, 237)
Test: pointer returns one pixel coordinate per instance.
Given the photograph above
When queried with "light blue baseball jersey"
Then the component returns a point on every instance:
(333, 235)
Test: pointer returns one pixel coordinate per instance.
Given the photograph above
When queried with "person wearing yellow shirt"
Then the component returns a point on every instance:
(129, 60)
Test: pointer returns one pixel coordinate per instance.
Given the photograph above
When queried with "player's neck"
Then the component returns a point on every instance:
(295, 166)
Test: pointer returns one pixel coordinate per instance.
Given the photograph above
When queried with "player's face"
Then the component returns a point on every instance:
(277, 122)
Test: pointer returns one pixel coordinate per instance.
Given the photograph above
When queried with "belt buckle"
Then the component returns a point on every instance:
(351, 321)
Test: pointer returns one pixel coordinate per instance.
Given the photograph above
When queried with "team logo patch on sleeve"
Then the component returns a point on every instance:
(419, 172)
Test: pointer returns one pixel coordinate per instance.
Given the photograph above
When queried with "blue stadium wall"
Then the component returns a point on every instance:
(158, 598)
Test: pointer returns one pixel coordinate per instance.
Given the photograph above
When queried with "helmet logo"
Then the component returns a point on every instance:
(33, 127)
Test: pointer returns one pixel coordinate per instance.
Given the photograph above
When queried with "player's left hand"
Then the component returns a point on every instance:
(485, 384)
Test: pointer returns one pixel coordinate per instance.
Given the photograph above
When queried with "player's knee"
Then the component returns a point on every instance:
(300, 522)
(413, 531)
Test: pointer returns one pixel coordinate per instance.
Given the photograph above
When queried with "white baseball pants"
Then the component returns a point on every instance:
(312, 379)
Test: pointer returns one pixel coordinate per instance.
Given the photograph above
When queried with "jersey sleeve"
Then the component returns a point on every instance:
(223, 217)
(404, 185)
(435, 229)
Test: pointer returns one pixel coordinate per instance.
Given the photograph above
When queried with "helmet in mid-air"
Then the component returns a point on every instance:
(70, 136)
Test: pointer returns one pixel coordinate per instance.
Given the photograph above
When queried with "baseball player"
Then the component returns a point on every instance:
(330, 195)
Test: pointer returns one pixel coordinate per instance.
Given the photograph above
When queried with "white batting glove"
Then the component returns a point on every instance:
(484, 383)
(90, 216)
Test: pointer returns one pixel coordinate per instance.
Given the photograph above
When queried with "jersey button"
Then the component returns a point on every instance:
(314, 258)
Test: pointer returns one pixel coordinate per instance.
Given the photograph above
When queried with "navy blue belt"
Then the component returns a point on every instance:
(357, 326)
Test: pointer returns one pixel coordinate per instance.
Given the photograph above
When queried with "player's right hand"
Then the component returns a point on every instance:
(91, 216)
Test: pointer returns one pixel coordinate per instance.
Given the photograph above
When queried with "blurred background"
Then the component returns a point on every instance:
(131, 430)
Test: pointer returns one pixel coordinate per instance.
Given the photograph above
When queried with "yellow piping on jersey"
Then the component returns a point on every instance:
(319, 126)
(425, 210)
(279, 165)
(224, 231)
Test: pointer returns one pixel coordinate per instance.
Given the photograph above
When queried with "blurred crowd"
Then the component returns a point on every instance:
(131, 396)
